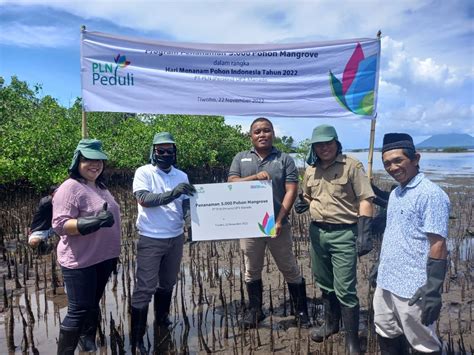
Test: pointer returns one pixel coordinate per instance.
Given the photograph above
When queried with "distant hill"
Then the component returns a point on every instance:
(461, 140)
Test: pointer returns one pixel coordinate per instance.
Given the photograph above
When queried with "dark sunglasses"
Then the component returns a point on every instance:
(162, 151)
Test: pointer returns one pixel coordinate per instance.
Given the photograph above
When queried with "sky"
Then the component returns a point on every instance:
(426, 82)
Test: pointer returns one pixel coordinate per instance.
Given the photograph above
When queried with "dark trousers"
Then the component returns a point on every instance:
(84, 288)
(158, 262)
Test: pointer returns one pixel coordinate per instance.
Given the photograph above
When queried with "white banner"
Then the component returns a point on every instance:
(325, 79)
(232, 210)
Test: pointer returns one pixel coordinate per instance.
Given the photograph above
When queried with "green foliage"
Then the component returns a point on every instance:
(303, 149)
(36, 136)
(202, 141)
(39, 137)
(285, 144)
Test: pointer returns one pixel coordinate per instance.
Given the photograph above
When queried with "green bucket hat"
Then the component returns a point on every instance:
(323, 133)
(163, 138)
(90, 149)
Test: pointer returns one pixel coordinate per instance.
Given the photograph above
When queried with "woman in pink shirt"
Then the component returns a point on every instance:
(87, 219)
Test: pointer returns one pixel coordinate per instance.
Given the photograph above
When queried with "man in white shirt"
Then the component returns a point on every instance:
(161, 191)
(407, 300)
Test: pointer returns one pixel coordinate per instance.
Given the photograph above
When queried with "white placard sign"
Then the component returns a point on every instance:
(232, 211)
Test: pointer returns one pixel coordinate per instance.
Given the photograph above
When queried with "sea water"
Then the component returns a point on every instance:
(431, 163)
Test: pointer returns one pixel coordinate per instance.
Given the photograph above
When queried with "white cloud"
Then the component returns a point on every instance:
(398, 65)
(390, 89)
(442, 116)
(255, 21)
(428, 71)
(34, 36)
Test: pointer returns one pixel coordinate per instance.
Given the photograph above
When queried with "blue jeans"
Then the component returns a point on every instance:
(84, 288)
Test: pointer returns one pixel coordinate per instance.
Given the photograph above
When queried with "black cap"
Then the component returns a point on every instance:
(397, 141)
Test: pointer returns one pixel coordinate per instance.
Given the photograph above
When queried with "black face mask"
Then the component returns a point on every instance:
(164, 162)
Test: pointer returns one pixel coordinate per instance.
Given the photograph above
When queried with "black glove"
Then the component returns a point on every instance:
(301, 205)
(149, 199)
(183, 188)
(381, 196)
(373, 273)
(87, 225)
(430, 293)
(364, 241)
(379, 222)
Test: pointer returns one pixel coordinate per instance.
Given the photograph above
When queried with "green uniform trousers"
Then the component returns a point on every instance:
(334, 262)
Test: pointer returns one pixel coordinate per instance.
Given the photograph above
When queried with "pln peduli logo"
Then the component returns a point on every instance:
(108, 74)
(356, 91)
(268, 225)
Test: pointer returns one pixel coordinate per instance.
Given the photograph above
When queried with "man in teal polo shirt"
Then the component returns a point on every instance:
(265, 162)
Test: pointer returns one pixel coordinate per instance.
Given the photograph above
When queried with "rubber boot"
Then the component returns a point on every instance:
(300, 303)
(162, 303)
(253, 314)
(414, 352)
(332, 316)
(138, 329)
(350, 319)
(68, 338)
(89, 331)
(394, 346)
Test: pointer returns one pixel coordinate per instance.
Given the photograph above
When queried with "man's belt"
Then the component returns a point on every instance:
(333, 227)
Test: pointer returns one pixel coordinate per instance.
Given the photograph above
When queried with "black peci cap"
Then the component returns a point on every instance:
(397, 141)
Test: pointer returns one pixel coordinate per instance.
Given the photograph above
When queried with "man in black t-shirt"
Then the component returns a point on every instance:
(40, 229)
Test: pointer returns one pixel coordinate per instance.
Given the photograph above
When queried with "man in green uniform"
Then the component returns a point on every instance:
(338, 194)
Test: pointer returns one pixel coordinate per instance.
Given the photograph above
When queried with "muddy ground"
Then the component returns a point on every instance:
(209, 297)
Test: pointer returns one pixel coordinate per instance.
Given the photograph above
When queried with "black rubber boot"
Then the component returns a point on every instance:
(138, 329)
(414, 352)
(395, 346)
(332, 316)
(300, 303)
(253, 314)
(89, 331)
(350, 319)
(162, 303)
(68, 338)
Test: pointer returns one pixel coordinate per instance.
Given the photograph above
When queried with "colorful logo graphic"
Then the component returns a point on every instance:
(356, 92)
(105, 74)
(268, 225)
(200, 190)
(121, 61)
(229, 187)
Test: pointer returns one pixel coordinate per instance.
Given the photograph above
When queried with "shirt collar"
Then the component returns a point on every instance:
(273, 151)
(172, 172)
(413, 182)
(340, 158)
